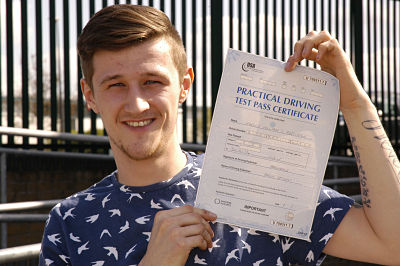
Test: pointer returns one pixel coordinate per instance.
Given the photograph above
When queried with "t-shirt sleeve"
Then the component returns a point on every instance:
(53, 249)
(331, 209)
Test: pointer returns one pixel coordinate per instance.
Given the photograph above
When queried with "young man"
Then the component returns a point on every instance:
(136, 75)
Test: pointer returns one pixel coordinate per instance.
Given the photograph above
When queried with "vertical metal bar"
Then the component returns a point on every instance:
(67, 86)
(25, 71)
(162, 5)
(337, 20)
(384, 121)
(387, 72)
(3, 198)
(274, 10)
(204, 29)
(375, 57)
(329, 15)
(395, 71)
(116, 2)
(172, 11)
(299, 21)
(240, 24)
(306, 18)
(258, 27)
(93, 116)
(344, 133)
(307, 8)
(266, 27)
(335, 175)
(344, 24)
(315, 20)
(194, 63)
(230, 23)
(53, 69)
(80, 104)
(248, 26)
(339, 131)
(291, 26)
(389, 83)
(184, 104)
(105, 3)
(216, 47)
(283, 30)
(322, 15)
(10, 68)
(39, 70)
(369, 46)
(356, 8)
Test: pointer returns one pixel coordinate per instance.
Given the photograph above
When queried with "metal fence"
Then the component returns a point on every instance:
(39, 86)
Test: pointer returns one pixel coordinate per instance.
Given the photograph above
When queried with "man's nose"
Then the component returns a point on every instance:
(136, 101)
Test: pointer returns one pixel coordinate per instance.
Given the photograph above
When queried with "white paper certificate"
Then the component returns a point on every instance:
(268, 145)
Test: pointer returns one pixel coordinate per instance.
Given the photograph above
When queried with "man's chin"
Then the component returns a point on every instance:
(142, 153)
(139, 152)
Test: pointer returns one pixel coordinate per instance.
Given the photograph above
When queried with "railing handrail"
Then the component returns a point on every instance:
(24, 132)
(28, 205)
(56, 154)
(19, 253)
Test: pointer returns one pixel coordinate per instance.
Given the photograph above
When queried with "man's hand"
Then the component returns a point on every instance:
(176, 232)
(322, 48)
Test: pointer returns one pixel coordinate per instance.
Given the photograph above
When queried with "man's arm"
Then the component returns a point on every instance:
(369, 233)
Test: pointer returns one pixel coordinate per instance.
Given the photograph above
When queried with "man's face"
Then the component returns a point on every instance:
(137, 91)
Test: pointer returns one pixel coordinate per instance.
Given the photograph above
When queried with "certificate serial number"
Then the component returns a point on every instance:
(282, 224)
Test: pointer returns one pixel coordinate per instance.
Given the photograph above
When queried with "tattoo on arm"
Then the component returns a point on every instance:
(363, 178)
(371, 124)
(385, 145)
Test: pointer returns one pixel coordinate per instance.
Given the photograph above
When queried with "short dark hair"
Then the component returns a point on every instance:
(121, 26)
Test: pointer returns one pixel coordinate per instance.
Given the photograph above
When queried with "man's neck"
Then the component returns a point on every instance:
(150, 171)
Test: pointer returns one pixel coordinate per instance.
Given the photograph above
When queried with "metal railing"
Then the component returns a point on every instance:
(20, 253)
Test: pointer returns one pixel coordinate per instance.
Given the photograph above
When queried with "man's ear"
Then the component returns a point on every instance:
(186, 85)
(89, 96)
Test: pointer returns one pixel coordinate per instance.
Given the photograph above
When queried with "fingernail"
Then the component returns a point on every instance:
(212, 215)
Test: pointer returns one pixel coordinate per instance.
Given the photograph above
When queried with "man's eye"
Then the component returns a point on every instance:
(117, 85)
(150, 82)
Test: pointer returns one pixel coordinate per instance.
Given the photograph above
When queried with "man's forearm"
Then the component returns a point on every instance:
(379, 171)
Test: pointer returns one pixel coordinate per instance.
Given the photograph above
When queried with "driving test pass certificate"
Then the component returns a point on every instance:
(268, 145)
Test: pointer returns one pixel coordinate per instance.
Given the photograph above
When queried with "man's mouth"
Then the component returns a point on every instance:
(139, 124)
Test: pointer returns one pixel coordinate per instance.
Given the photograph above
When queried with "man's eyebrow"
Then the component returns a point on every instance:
(155, 74)
(108, 78)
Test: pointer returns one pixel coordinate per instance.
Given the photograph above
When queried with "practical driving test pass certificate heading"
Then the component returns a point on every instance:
(268, 145)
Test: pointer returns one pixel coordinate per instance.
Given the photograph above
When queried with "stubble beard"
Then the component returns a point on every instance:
(141, 151)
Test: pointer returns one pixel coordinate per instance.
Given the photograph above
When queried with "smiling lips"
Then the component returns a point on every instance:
(139, 124)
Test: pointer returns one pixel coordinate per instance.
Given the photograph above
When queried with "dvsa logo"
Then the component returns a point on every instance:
(247, 66)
